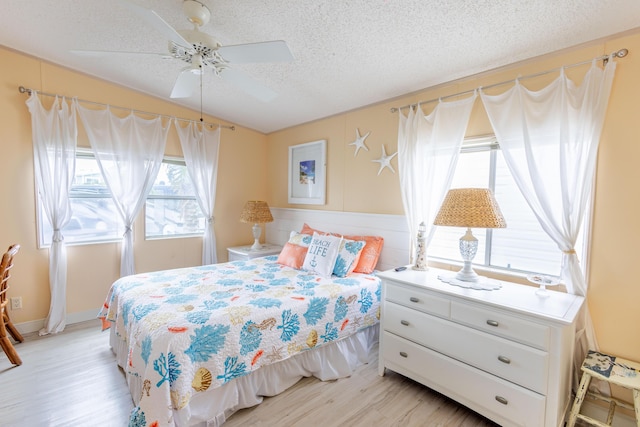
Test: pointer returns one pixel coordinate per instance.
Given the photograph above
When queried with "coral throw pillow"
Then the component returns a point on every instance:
(295, 250)
(370, 253)
(308, 230)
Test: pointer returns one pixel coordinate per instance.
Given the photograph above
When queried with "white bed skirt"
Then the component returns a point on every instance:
(213, 407)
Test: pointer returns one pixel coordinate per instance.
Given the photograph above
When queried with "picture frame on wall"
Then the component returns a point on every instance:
(308, 173)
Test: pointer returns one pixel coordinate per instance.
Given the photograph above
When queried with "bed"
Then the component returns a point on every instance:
(197, 344)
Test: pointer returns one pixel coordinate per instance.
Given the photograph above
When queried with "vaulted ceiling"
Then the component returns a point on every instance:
(347, 54)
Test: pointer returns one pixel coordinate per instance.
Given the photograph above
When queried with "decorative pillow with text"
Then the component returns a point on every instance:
(322, 254)
(370, 254)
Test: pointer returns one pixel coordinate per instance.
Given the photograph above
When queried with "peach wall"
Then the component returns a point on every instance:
(353, 183)
(92, 268)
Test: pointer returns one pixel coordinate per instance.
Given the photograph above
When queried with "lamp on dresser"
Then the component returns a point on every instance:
(470, 208)
(256, 212)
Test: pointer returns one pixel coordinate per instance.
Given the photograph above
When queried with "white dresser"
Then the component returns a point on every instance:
(506, 354)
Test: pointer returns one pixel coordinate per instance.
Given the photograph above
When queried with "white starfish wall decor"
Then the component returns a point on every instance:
(359, 142)
(385, 161)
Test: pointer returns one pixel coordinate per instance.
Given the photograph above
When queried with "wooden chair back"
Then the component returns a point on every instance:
(6, 326)
(5, 272)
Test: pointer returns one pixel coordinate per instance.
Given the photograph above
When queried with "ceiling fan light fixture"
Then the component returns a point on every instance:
(196, 63)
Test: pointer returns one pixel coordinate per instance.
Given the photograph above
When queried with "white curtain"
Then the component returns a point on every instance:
(129, 152)
(201, 147)
(549, 133)
(428, 151)
(54, 134)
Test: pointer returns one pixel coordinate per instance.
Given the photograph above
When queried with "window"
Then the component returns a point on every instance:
(171, 209)
(523, 246)
(94, 215)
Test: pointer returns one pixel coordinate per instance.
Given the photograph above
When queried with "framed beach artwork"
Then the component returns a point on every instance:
(308, 173)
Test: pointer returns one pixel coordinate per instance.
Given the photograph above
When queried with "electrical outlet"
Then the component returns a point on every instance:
(16, 303)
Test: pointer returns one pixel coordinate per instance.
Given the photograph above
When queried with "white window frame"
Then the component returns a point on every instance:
(81, 153)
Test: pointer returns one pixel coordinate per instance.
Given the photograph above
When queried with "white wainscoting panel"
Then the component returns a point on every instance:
(393, 228)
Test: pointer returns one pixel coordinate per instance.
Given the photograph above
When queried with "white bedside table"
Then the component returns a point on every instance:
(237, 253)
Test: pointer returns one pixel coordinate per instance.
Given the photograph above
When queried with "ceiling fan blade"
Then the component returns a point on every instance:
(100, 53)
(153, 19)
(271, 51)
(186, 83)
(248, 85)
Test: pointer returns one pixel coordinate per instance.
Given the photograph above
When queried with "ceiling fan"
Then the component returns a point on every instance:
(201, 51)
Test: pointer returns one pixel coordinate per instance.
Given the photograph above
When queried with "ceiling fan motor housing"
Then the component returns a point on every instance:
(202, 49)
(202, 45)
(197, 13)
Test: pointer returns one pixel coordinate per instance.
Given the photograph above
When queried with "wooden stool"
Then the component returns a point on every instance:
(614, 370)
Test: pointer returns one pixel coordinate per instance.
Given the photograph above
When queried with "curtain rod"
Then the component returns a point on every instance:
(23, 89)
(618, 54)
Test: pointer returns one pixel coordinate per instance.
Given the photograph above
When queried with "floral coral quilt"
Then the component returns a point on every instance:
(197, 328)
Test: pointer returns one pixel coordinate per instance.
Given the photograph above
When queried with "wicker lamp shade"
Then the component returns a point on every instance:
(471, 208)
(256, 212)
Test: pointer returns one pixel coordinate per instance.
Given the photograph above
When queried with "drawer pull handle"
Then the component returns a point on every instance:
(492, 323)
(504, 359)
(502, 400)
(414, 299)
(403, 354)
(404, 322)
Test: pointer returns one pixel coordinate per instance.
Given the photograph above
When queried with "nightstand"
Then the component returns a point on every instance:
(239, 253)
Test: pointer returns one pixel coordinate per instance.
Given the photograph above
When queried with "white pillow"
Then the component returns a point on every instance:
(322, 254)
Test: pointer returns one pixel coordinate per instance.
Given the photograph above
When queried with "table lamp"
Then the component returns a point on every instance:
(256, 212)
(471, 208)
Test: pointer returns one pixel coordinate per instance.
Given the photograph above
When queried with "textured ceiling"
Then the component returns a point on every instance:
(348, 54)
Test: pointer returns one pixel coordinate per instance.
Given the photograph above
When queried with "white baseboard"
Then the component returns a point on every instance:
(35, 325)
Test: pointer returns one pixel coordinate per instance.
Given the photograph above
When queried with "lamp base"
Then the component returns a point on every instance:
(468, 248)
(467, 274)
(257, 231)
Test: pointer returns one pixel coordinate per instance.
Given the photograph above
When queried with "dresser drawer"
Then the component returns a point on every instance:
(507, 359)
(417, 299)
(502, 401)
(505, 325)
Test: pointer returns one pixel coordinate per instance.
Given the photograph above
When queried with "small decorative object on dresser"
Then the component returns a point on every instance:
(543, 281)
(239, 253)
(421, 249)
(506, 354)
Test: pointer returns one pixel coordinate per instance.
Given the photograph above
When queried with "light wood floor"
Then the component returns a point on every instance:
(71, 379)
